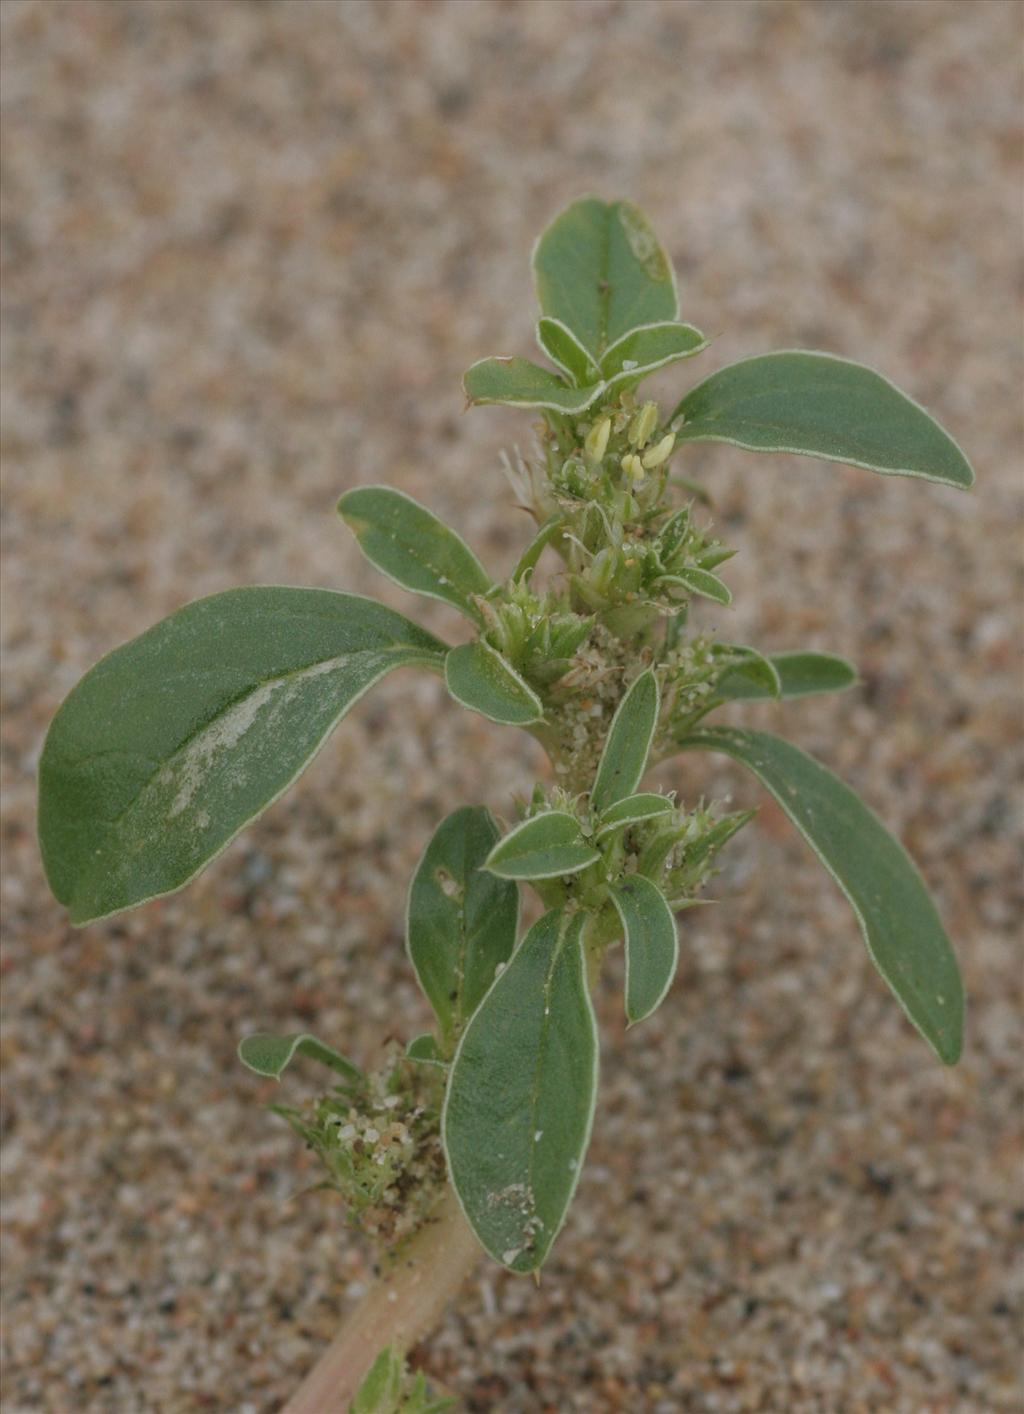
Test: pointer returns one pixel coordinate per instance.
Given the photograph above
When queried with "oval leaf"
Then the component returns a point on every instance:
(648, 348)
(799, 675)
(701, 582)
(624, 758)
(544, 847)
(567, 353)
(817, 405)
(519, 383)
(900, 924)
(411, 546)
(520, 1100)
(271, 1055)
(600, 270)
(651, 943)
(174, 742)
(634, 808)
(478, 677)
(461, 922)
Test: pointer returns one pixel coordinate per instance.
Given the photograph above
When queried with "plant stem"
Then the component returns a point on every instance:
(399, 1309)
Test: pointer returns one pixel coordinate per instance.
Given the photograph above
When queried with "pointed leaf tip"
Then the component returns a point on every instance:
(818, 405)
(899, 921)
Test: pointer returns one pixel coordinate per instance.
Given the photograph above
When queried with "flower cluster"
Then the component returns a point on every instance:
(380, 1146)
(673, 847)
(630, 559)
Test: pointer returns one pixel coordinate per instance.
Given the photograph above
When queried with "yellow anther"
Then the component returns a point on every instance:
(596, 442)
(643, 425)
(633, 466)
(661, 452)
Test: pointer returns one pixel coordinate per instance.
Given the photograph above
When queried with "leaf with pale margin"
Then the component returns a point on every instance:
(516, 382)
(624, 758)
(461, 921)
(600, 270)
(478, 677)
(651, 944)
(544, 847)
(567, 353)
(643, 351)
(756, 674)
(901, 926)
(800, 674)
(269, 1054)
(701, 582)
(631, 810)
(425, 1051)
(817, 405)
(174, 742)
(547, 533)
(410, 545)
(520, 1100)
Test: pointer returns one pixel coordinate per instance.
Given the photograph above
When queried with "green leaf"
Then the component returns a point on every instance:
(817, 405)
(271, 1055)
(381, 1388)
(600, 270)
(519, 383)
(425, 1051)
(631, 810)
(643, 350)
(701, 582)
(544, 847)
(176, 741)
(411, 546)
(567, 353)
(551, 529)
(900, 924)
(756, 675)
(799, 675)
(520, 1100)
(419, 1399)
(479, 677)
(652, 945)
(461, 921)
(624, 758)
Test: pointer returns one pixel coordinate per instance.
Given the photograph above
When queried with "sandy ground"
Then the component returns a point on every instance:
(249, 250)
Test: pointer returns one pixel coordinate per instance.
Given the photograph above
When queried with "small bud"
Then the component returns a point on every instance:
(643, 425)
(633, 466)
(661, 452)
(596, 443)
